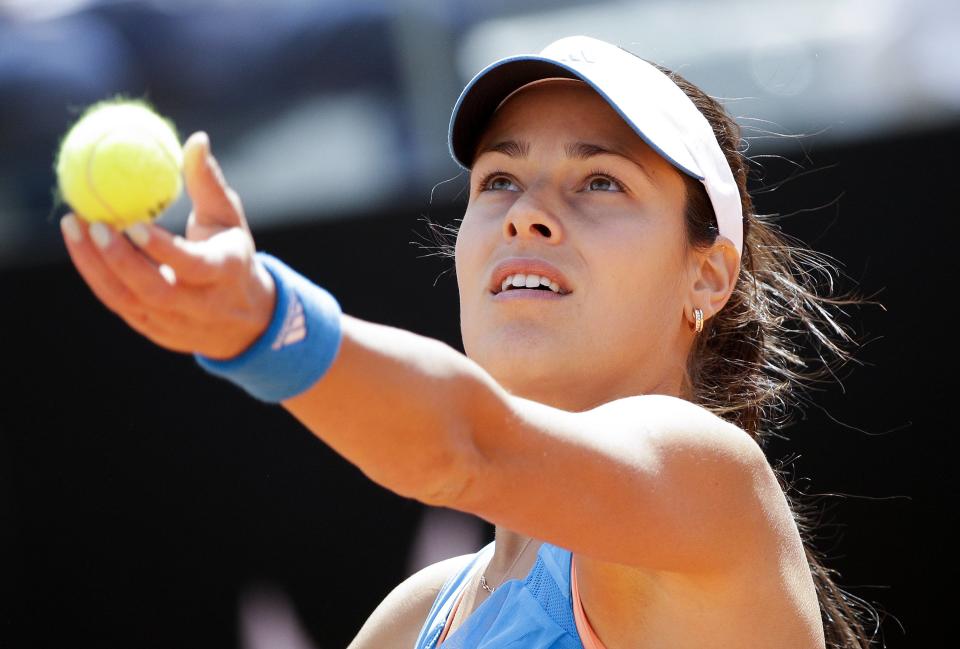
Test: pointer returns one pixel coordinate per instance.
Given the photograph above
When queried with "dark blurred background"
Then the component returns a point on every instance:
(145, 504)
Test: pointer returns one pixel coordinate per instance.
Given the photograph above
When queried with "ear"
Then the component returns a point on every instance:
(714, 276)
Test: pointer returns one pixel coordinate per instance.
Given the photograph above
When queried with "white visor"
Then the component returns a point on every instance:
(655, 107)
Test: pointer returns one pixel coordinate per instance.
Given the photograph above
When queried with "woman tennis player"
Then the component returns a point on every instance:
(624, 316)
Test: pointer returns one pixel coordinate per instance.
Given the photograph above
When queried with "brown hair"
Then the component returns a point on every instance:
(746, 366)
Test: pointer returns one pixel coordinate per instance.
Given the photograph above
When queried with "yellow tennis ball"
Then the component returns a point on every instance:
(120, 163)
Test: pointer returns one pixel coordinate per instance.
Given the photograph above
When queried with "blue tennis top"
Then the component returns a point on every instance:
(535, 613)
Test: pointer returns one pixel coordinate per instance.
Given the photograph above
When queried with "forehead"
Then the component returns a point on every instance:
(562, 110)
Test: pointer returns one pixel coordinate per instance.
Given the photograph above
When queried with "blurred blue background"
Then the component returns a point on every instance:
(145, 504)
(322, 110)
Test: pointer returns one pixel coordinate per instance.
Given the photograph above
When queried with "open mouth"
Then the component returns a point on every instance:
(530, 281)
(530, 276)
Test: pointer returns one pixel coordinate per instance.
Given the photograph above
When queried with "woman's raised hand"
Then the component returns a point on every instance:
(206, 293)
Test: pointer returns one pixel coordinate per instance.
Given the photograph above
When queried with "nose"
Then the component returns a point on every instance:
(529, 218)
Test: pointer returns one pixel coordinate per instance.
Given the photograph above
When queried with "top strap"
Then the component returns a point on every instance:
(447, 597)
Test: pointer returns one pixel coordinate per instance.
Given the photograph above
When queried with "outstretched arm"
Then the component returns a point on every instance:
(649, 481)
(653, 480)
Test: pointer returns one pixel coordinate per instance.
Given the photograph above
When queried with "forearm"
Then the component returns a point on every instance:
(396, 405)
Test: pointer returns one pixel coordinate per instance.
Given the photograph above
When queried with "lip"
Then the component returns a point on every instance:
(526, 294)
(528, 266)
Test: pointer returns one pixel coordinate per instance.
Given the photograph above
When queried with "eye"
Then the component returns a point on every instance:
(497, 181)
(601, 181)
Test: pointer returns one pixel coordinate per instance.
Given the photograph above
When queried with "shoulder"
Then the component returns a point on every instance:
(711, 481)
(396, 622)
(677, 429)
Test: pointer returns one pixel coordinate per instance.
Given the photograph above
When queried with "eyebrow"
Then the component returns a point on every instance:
(574, 150)
(509, 148)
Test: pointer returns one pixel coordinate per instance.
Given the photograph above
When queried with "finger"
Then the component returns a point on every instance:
(214, 203)
(157, 325)
(135, 271)
(105, 285)
(193, 262)
(150, 284)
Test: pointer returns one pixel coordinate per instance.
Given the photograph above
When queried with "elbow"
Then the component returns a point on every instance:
(446, 484)
(435, 474)
(449, 474)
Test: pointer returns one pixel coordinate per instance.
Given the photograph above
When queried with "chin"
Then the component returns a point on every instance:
(523, 360)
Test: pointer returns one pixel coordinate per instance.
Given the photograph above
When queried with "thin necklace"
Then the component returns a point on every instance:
(483, 577)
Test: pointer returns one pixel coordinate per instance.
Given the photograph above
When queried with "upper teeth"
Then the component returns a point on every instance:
(520, 280)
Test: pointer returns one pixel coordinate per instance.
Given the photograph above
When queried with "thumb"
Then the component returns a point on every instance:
(215, 204)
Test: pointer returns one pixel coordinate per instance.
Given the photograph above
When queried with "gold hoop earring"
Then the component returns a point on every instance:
(698, 317)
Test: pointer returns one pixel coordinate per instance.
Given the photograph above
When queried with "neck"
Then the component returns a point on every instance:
(513, 557)
(509, 545)
(583, 396)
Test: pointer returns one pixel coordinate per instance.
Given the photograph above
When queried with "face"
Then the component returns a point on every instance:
(562, 188)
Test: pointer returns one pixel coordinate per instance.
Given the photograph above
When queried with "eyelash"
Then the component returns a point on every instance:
(482, 185)
(596, 173)
(609, 176)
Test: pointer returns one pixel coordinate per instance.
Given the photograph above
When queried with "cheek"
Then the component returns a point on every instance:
(641, 284)
(469, 264)
(464, 251)
(471, 252)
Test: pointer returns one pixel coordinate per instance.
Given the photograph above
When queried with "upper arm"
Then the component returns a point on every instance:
(396, 622)
(650, 481)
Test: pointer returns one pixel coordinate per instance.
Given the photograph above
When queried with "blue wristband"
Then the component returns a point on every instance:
(298, 346)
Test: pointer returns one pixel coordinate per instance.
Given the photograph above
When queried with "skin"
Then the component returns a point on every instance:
(565, 421)
(616, 238)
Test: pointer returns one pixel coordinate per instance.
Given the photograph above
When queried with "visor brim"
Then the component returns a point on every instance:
(489, 88)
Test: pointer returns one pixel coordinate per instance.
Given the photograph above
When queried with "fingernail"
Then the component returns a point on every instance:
(210, 160)
(204, 139)
(71, 228)
(100, 234)
(168, 274)
(139, 234)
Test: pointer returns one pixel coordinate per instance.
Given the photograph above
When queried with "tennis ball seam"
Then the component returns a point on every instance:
(112, 171)
(89, 170)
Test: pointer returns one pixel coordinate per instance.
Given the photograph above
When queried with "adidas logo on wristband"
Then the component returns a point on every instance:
(291, 355)
(294, 327)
